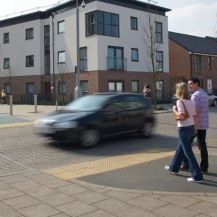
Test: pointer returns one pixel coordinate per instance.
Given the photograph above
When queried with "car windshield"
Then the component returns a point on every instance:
(87, 103)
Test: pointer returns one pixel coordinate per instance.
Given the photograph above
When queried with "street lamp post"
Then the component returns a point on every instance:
(78, 91)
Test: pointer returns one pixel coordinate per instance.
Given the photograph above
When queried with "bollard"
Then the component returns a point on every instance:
(56, 105)
(35, 102)
(11, 104)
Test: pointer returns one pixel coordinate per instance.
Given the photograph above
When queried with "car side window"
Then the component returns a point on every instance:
(115, 104)
(134, 102)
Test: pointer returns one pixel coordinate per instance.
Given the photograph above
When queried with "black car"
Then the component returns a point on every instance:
(90, 118)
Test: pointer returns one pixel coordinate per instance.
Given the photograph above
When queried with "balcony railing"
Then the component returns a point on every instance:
(116, 64)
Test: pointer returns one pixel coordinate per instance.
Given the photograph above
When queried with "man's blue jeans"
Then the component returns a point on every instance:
(184, 149)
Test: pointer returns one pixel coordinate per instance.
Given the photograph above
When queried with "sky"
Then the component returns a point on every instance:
(194, 17)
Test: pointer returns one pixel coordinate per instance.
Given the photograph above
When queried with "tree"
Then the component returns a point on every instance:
(152, 47)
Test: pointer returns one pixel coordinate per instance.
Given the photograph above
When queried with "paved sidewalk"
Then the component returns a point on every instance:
(28, 192)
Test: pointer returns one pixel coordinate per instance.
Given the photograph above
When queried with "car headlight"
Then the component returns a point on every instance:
(65, 125)
(43, 122)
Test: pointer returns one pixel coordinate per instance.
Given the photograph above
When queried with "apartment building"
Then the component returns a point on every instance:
(193, 56)
(38, 50)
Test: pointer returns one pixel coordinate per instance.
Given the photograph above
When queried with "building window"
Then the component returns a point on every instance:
(116, 86)
(102, 23)
(135, 86)
(30, 88)
(197, 63)
(62, 87)
(160, 90)
(46, 49)
(29, 34)
(158, 32)
(83, 58)
(134, 54)
(6, 38)
(134, 23)
(209, 62)
(61, 27)
(159, 61)
(7, 88)
(61, 57)
(115, 59)
(30, 61)
(6, 63)
(84, 87)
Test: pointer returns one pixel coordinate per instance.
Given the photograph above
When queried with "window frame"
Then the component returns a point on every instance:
(58, 27)
(28, 61)
(29, 36)
(83, 59)
(159, 62)
(62, 87)
(6, 38)
(27, 89)
(132, 19)
(209, 63)
(97, 24)
(58, 57)
(84, 91)
(197, 63)
(8, 66)
(159, 33)
(137, 83)
(115, 82)
(137, 52)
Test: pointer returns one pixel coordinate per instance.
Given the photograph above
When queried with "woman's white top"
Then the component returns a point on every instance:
(190, 107)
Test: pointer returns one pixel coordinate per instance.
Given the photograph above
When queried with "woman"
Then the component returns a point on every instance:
(186, 132)
(147, 91)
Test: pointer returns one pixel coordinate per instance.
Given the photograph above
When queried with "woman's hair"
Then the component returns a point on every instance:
(182, 91)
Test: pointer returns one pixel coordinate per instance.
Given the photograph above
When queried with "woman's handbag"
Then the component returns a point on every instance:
(184, 116)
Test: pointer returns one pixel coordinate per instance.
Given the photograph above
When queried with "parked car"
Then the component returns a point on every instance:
(212, 99)
(90, 118)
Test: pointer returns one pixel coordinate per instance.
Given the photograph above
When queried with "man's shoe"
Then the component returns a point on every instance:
(196, 181)
(167, 168)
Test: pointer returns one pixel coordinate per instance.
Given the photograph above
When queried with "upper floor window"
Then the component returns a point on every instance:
(6, 63)
(102, 23)
(83, 58)
(30, 61)
(158, 32)
(29, 34)
(61, 56)
(134, 23)
(134, 54)
(159, 61)
(209, 62)
(61, 27)
(6, 38)
(197, 63)
(115, 59)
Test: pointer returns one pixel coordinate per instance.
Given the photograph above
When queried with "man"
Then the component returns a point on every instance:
(202, 121)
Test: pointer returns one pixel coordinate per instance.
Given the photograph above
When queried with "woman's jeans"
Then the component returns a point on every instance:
(184, 149)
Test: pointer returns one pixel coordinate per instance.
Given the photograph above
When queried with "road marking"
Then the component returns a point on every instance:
(79, 170)
(23, 124)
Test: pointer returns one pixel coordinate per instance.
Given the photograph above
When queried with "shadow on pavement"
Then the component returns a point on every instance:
(122, 146)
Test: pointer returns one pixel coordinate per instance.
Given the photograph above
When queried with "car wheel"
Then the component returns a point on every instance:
(147, 129)
(89, 138)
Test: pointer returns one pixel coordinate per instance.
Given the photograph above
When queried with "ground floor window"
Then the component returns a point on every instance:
(84, 87)
(116, 86)
(62, 87)
(160, 90)
(135, 86)
(30, 88)
(7, 88)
